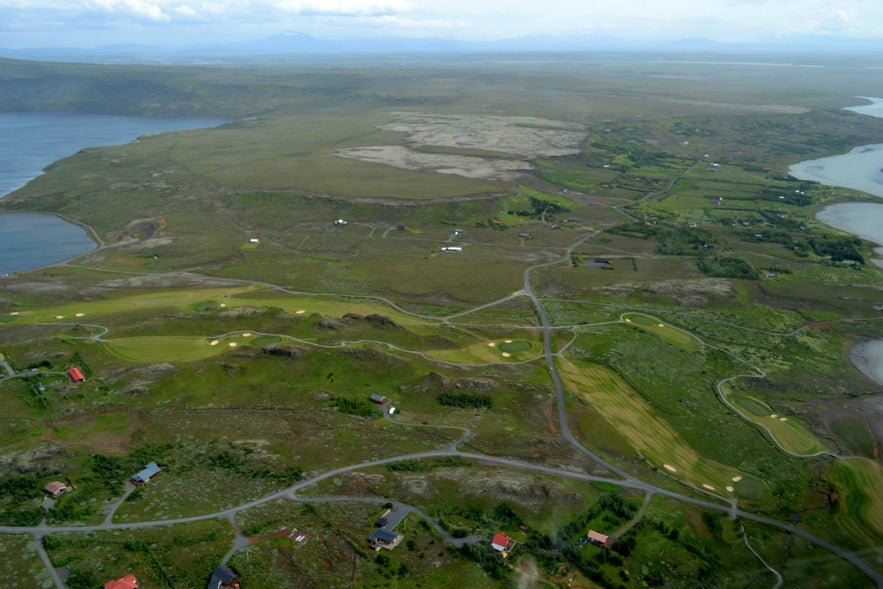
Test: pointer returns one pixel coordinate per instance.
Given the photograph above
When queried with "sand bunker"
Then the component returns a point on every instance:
(736, 479)
(59, 316)
(520, 138)
(300, 312)
(506, 354)
(246, 334)
(79, 314)
(730, 488)
(707, 486)
(233, 344)
(214, 343)
(492, 344)
(774, 416)
(669, 467)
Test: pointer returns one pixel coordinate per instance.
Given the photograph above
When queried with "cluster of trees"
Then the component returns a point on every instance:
(728, 267)
(357, 407)
(670, 240)
(17, 495)
(464, 400)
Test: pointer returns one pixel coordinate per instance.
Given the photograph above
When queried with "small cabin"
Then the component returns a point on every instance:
(75, 374)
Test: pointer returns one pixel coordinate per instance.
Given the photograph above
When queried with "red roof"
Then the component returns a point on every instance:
(501, 539)
(127, 582)
(75, 374)
(597, 537)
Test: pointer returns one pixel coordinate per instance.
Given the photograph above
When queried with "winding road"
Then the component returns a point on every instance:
(624, 478)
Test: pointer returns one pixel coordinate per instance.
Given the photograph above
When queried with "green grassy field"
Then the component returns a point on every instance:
(648, 433)
(290, 399)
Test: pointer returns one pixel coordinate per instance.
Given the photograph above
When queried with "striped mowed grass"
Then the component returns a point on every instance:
(861, 483)
(649, 433)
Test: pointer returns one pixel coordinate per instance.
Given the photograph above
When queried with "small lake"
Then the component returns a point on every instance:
(31, 141)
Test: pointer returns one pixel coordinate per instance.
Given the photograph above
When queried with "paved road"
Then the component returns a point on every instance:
(626, 479)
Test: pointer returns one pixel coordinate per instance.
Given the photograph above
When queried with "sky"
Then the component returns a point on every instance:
(178, 23)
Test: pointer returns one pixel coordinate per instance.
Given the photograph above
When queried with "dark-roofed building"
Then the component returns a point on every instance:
(383, 538)
(147, 473)
(379, 399)
(223, 578)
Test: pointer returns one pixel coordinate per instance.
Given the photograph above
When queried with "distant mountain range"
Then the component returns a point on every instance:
(294, 43)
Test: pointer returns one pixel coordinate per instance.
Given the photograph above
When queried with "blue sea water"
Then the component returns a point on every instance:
(31, 141)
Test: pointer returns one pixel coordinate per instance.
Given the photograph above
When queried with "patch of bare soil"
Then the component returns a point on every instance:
(687, 292)
(527, 137)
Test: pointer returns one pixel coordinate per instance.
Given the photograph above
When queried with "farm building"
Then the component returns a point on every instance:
(452, 248)
(75, 374)
(55, 489)
(597, 538)
(379, 399)
(147, 473)
(383, 538)
(223, 578)
(127, 582)
(503, 543)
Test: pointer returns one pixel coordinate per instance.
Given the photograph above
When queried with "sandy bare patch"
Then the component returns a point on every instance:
(687, 292)
(214, 342)
(531, 137)
(14, 313)
(783, 419)
(491, 344)
(246, 334)
(736, 479)
(300, 312)
(774, 416)
(457, 165)
(730, 488)
(525, 138)
(59, 316)
(669, 467)
(79, 315)
(508, 341)
(709, 487)
(506, 354)
(223, 305)
(660, 324)
(233, 344)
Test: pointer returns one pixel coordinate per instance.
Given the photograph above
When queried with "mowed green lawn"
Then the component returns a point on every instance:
(227, 298)
(861, 482)
(182, 348)
(789, 432)
(647, 431)
(673, 335)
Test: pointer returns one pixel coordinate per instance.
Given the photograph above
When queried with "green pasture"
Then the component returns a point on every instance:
(861, 483)
(647, 431)
(791, 433)
(671, 334)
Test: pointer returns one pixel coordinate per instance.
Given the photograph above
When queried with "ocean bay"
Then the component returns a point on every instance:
(31, 141)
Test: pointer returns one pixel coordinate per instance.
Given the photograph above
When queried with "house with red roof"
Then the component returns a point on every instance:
(75, 374)
(503, 543)
(127, 582)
